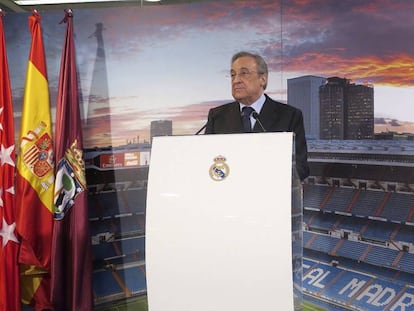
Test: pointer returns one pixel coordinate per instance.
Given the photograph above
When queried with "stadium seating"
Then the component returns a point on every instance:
(379, 231)
(134, 279)
(405, 233)
(314, 195)
(368, 202)
(406, 262)
(319, 242)
(351, 249)
(357, 245)
(345, 289)
(353, 224)
(340, 200)
(398, 207)
(105, 285)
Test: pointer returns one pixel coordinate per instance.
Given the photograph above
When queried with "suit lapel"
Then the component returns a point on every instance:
(234, 121)
(267, 116)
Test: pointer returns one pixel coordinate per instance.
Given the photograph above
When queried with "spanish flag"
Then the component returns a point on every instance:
(9, 244)
(35, 178)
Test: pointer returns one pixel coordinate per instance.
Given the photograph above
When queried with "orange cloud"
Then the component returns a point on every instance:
(395, 70)
(118, 129)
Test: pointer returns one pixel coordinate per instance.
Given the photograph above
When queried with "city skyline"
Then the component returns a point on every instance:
(169, 62)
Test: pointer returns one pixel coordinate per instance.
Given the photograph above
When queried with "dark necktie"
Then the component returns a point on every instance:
(246, 113)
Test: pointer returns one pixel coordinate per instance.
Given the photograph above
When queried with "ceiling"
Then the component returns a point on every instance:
(41, 5)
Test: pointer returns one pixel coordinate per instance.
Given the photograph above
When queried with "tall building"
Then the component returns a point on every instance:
(360, 112)
(303, 93)
(346, 110)
(160, 128)
(332, 96)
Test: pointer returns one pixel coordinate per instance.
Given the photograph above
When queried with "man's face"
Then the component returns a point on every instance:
(246, 83)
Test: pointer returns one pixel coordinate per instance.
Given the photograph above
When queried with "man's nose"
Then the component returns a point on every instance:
(236, 78)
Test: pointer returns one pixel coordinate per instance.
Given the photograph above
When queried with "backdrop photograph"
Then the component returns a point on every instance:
(157, 70)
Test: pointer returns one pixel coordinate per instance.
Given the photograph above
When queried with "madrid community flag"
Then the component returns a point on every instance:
(71, 247)
(9, 244)
(35, 177)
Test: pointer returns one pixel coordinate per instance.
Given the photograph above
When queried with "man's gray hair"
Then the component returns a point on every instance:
(260, 62)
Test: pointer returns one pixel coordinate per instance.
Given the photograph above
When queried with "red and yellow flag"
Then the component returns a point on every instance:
(35, 177)
(9, 244)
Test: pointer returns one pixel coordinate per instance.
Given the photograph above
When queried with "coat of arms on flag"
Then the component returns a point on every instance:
(38, 152)
(70, 180)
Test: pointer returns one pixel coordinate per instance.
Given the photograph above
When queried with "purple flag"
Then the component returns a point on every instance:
(71, 248)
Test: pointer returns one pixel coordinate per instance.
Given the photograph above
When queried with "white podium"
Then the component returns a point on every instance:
(218, 223)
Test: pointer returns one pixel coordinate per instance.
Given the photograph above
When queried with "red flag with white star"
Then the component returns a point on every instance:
(9, 244)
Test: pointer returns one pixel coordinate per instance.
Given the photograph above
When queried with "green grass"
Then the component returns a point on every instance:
(140, 304)
(307, 306)
(133, 304)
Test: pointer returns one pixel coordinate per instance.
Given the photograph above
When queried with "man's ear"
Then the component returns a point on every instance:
(263, 79)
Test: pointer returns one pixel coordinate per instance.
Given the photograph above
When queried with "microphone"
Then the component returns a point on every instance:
(214, 112)
(199, 131)
(255, 115)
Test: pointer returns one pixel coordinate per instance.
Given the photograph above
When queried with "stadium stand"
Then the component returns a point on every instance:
(339, 200)
(352, 224)
(382, 232)
(398, 207)
(358, 238)
(404, 233)
(117, 200)
(340, 288)
(359, 231)
(106, 286)
(367, 203)
(356, 249)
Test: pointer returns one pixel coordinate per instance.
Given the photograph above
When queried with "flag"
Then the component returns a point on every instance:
(71, 248)
(9, 244)
(35, 177)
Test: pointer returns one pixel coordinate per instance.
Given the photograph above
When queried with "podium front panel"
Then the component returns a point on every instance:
(218, 223)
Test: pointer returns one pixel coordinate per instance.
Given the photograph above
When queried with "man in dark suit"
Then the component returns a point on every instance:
(248, 81)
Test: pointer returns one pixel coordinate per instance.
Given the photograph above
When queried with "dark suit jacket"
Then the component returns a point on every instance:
(275, 117)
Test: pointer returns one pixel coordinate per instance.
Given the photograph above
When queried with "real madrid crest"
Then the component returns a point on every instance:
(219, 170)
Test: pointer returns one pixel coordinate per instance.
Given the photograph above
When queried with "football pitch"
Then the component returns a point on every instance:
(140, 304)
(133, 304)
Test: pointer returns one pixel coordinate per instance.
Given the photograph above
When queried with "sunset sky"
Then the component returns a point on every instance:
(170, 61)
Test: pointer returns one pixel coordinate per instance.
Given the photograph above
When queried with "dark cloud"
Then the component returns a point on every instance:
(368, 41)
(365, 39)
